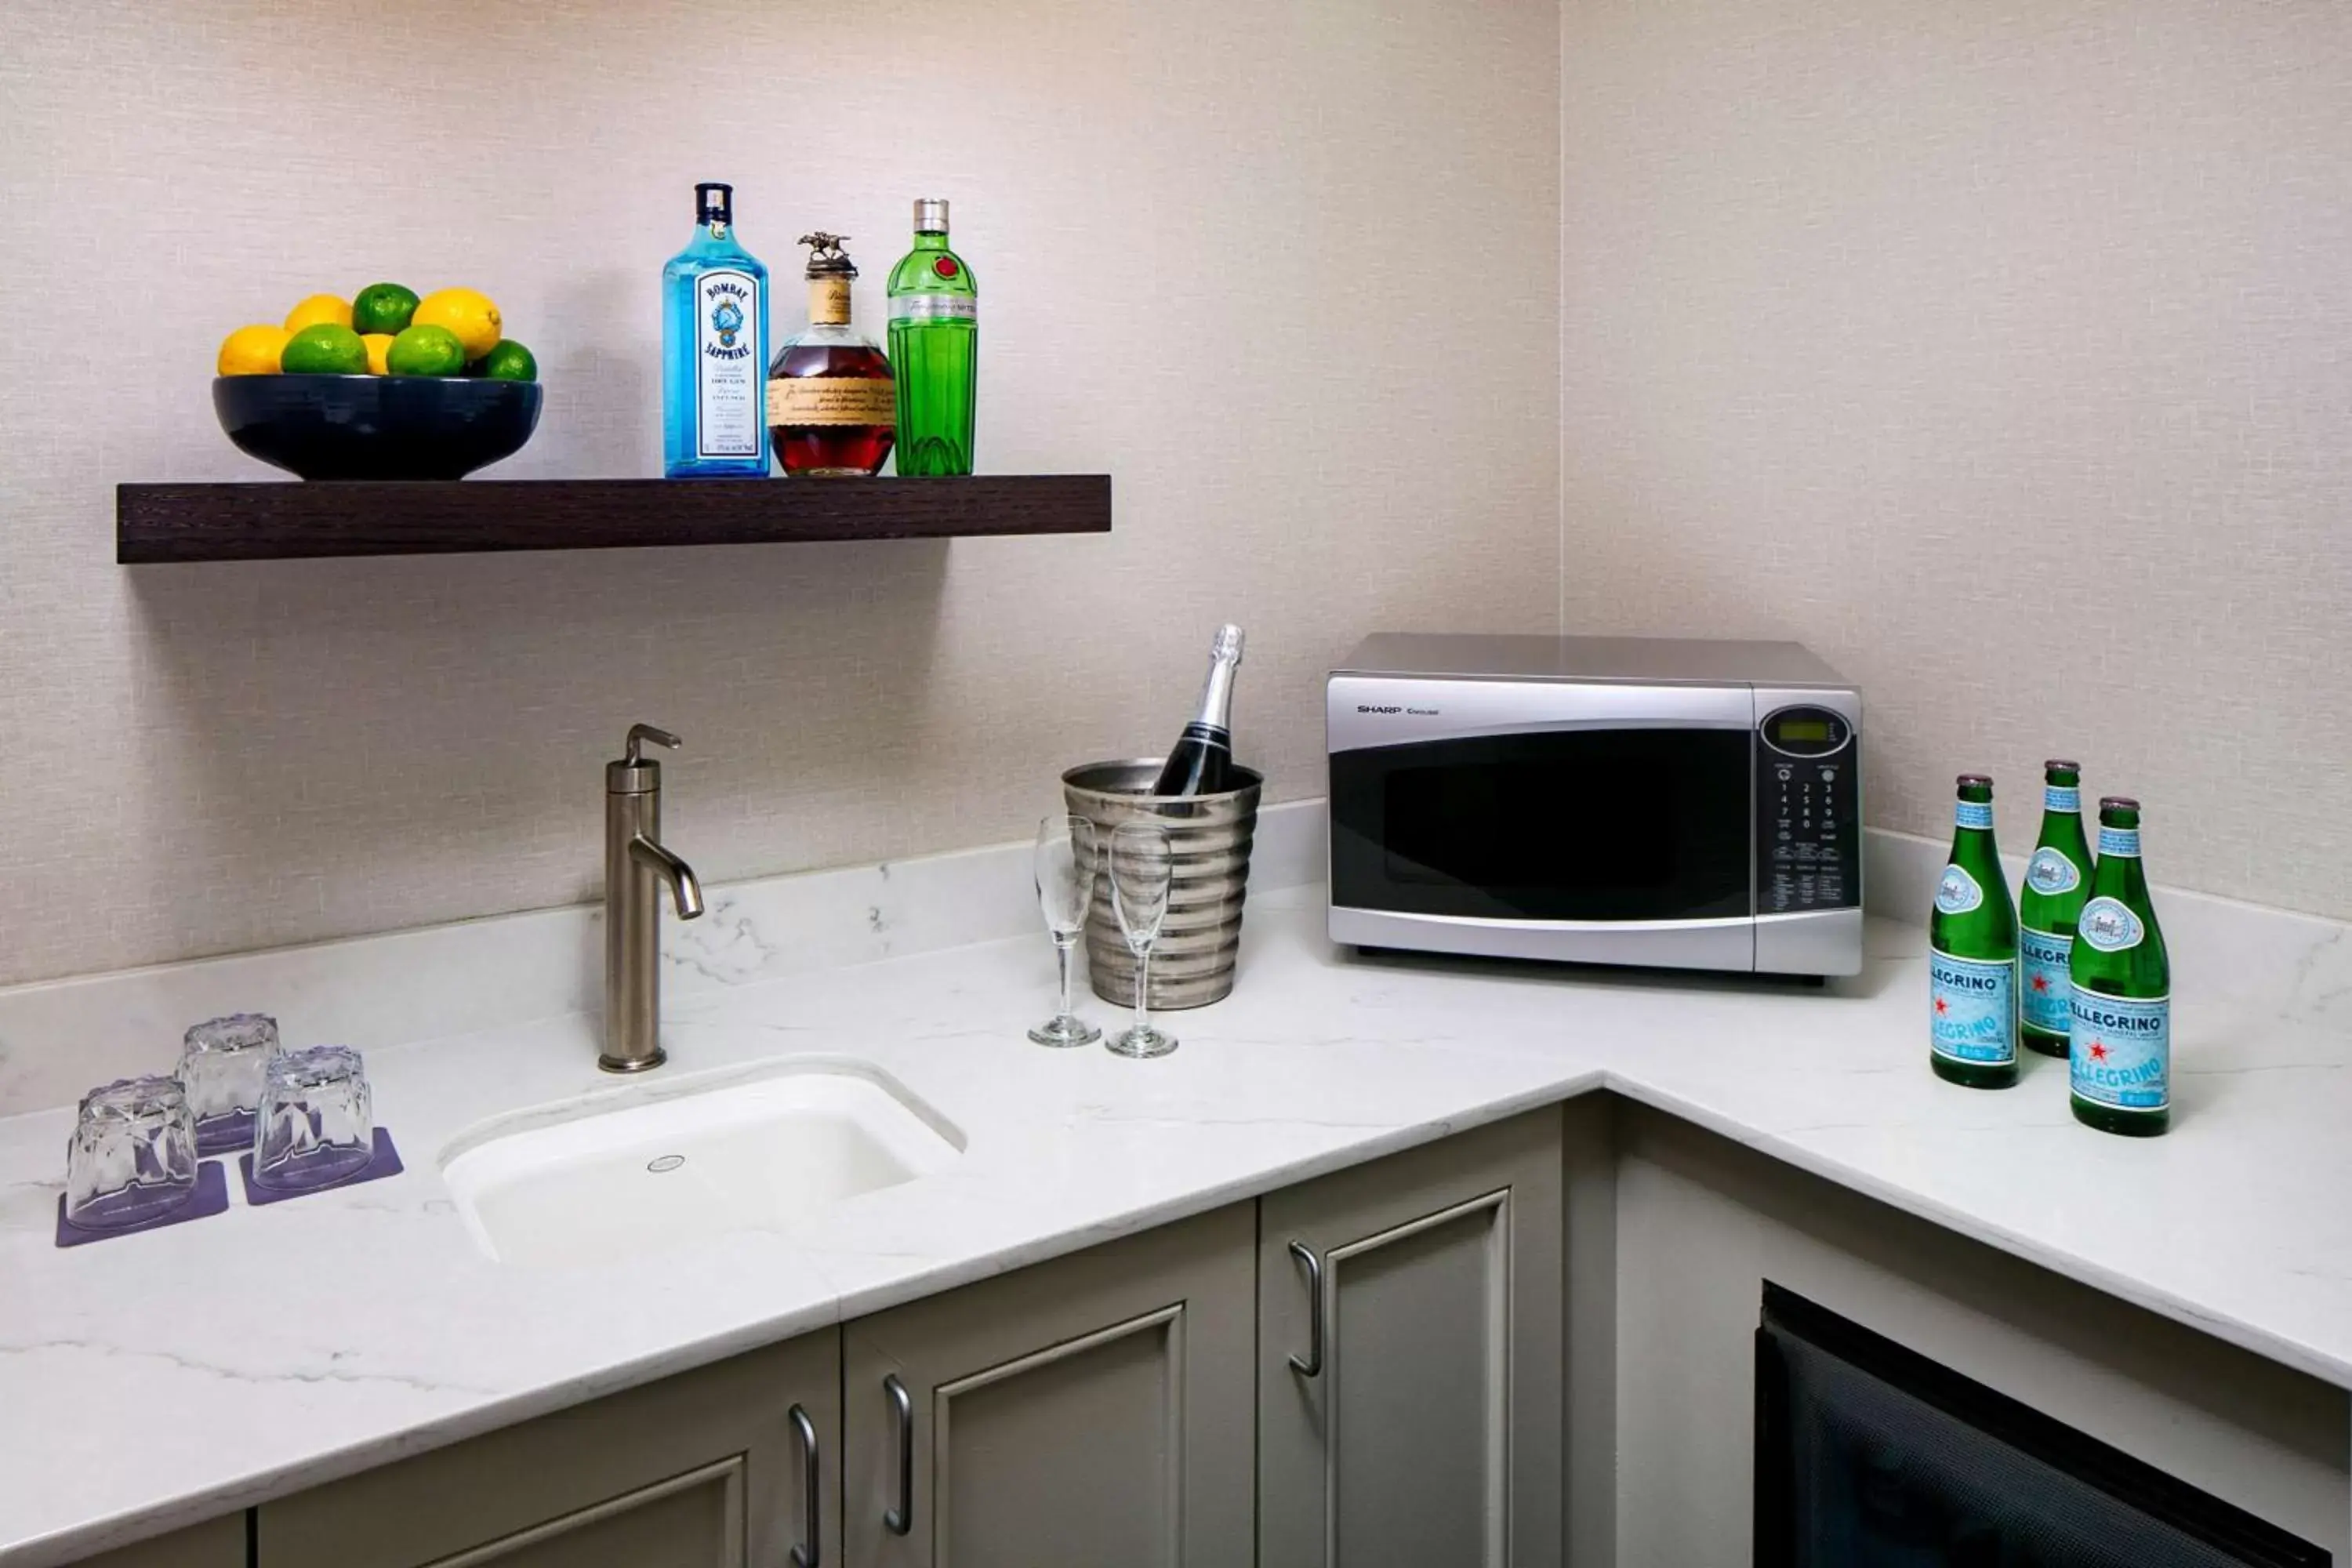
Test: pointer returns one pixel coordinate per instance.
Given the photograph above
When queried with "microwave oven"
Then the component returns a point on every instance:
(1685, 804)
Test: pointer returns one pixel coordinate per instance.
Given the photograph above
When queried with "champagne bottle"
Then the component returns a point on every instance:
(1201, 761)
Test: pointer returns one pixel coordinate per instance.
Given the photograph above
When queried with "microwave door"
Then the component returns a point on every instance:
(1643, 830)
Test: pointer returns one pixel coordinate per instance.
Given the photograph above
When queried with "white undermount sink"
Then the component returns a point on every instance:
(689, 1159)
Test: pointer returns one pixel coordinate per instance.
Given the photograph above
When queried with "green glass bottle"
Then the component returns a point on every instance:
(1972, 954)
(934, 349)
(2057, 885)
(2121, 1062)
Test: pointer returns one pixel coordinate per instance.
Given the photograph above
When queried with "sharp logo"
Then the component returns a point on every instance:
(1368, 708)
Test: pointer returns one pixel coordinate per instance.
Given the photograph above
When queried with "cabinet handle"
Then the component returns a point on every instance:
(808, 1554)
(1313, 1365)
(900, 1519)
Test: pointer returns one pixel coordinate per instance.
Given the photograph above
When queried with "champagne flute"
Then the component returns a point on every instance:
(1064, 864)
(1142, 861)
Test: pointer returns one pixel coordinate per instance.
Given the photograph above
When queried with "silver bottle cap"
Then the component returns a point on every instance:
(930, 214)
(1226, 646)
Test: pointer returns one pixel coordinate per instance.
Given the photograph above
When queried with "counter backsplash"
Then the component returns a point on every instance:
(57, 1038)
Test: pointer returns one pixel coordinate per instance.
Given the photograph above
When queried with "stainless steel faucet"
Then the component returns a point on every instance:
(636, 868)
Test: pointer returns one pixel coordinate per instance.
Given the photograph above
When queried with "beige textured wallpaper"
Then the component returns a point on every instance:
(1204, 236)
(2003, 353)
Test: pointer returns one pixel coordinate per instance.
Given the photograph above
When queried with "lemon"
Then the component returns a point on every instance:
(507, 362)
(463, 312)
(252, 350)
(381, 308)
(426, 350)
(330, 309)
(379, 344)
(324, 349)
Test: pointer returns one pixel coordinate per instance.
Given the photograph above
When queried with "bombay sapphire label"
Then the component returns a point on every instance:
(2050, 872)
(1958, 892)
(2118, 841)
(2122, 1053)
(1972, 1008)
(729, 378)
(2109, 925)
(2062, 798)
(2044, 991)
(1973, 813)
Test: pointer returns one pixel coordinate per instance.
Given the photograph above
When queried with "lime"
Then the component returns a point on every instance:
(507, 362)
(381, 308)
(466, 312)
(325, 349)
(426, 350)
(379, 344)
(319, 308)
(252, 350)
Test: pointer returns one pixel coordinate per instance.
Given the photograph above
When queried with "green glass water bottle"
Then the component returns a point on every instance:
(2057, 885)
(934, 349)
(1972, 954)
(2121, 1062)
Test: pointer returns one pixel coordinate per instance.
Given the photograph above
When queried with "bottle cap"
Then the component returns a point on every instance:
(2119, 802)
(1983, 779)
(827, 260)
(1227, 645)
(930, 214)
(2057, 765)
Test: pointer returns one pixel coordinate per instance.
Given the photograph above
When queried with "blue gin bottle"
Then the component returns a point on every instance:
(714, 350)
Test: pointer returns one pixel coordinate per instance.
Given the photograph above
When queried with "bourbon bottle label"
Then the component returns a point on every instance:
(795, 400)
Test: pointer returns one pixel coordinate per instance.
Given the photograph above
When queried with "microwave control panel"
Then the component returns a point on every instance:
(1808, 812)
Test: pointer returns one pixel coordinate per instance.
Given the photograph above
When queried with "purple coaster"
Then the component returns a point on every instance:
(211, 1197)
(385, 1163)
(224, 1134)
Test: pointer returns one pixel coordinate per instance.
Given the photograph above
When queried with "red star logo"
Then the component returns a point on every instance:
(2098, 1050)
(2041, 982)
(1941, 1007)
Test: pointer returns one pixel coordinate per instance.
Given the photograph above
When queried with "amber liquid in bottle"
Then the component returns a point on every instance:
(831, 450)
(832, 404)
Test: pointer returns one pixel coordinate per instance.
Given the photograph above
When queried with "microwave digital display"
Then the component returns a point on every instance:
(1788, 730)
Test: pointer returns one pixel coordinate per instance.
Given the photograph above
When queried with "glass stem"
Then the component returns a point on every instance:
(1062, 946)
(1142, 988)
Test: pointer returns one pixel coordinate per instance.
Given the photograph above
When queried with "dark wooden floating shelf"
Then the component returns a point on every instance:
(279, 521)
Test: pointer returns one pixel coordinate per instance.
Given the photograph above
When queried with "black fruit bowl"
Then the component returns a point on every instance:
(376, 427)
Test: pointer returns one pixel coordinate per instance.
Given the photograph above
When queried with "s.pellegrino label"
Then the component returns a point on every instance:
(2109, 925)
(1972, 1008)
(2122, 1054)
(1973, 813)
(2044, 959)
(729, 394)
(1958, 893)
(2050, 872)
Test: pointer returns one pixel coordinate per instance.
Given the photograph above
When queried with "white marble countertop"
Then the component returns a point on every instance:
(156, 1380)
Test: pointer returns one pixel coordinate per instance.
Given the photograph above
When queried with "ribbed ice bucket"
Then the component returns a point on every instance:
(1192, 962)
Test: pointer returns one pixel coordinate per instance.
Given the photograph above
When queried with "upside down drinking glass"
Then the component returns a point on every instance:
(1142, 863)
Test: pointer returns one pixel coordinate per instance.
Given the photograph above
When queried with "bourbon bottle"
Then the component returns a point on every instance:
(831, 405)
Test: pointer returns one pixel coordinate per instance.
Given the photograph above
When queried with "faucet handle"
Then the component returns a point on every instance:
(641, 733)
(637, 773)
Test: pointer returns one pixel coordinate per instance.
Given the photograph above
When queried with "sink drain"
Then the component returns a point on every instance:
(665, 1163)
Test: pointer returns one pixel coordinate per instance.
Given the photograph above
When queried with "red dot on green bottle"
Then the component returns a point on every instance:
(945, 267)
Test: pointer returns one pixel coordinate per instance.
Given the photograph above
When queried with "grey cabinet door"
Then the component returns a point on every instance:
(706, 1469)
(1430, 1430)
(1091, 1411)
(217, 1543)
